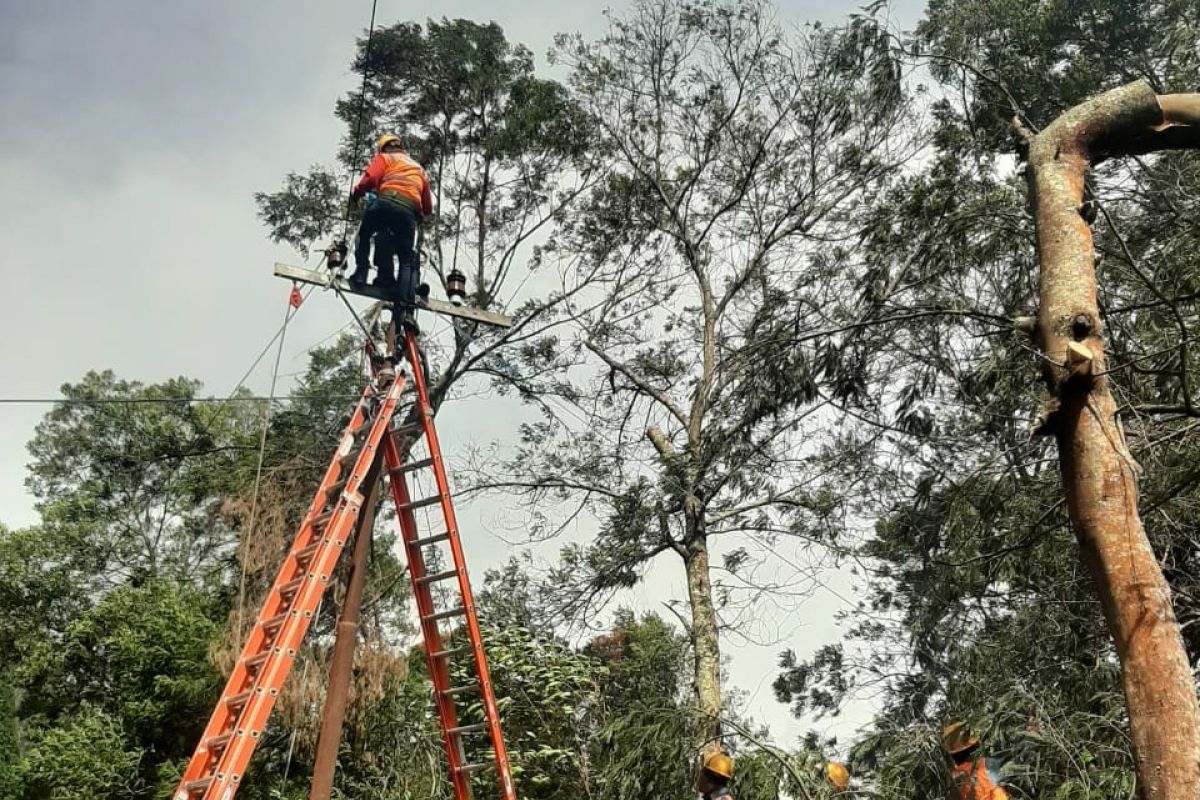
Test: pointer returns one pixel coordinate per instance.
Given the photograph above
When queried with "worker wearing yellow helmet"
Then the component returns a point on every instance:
(837, 775)
(402, 200)
(714, 775)
(971, 777)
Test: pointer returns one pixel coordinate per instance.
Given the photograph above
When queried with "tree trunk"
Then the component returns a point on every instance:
(1098, 474)
(706, 646)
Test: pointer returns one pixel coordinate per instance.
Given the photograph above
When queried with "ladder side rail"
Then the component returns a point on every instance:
(491, 711)
(291, 567)
(287, 643)
(222, 718)
(439, 672)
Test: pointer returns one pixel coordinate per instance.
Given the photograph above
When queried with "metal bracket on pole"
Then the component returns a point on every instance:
(329, 280)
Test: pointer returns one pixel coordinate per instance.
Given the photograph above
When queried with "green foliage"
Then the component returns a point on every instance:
(87, 756)
(127, 477)
(546, 694)
(1040, 59)
(306, 209)
(395, 749)
(10, 742)
(977, 606)
(643, 743)
(140, 655)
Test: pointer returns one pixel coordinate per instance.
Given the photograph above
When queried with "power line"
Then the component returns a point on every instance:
(362, 105)
(267, 347)
(100, 401)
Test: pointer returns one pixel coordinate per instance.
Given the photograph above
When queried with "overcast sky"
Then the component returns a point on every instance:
(134, 136)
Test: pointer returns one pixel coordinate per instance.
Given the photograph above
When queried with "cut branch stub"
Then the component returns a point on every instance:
(1025, 325)
(1079, 360)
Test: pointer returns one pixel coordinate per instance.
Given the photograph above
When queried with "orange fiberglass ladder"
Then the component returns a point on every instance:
(216, 768)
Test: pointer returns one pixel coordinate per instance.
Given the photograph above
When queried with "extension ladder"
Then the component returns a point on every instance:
(216, 768)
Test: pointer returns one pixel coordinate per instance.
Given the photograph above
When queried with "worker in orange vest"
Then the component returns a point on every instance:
(714, 775)
(402, 200)
(971, 777)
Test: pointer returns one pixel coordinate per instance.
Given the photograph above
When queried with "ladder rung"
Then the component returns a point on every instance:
(198, 787)
(424, 501)
(438, 576)
(413, 466)
(239, 700)
(457, 690)
(254, 662)
(461, 729)
(304, 555)
(322, 519)
(467, 769)
(291, 587)
(454, 612)
(405, 431)
(453, 651)
(440, 537)
(216, 744)
(336, 489)
(275, 622)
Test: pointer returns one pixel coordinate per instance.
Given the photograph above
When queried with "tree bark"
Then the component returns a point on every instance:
(1098, 474)
(706, 648)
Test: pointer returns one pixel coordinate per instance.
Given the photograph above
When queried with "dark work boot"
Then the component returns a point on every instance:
(384, 279)
(359, 278)
(408, 321)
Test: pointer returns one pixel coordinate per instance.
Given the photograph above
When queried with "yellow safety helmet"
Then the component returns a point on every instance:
(387, 138)
(957, 737)
(838, 775)
(718, 764)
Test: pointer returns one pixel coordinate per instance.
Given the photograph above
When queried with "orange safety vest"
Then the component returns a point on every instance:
(402, 176)
(397, 177)
(974, 781)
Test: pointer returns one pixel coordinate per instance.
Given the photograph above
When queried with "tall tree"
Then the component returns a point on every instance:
(704, 264)
(128, 478)
(996, 625)
(1099, 478)
(506, 153)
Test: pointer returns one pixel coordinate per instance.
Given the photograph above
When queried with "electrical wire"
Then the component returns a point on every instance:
(262, 450)
(267, 347)
(102, 401)
(362, 105)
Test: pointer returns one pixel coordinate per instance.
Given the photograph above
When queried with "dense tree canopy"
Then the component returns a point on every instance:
(773, 277)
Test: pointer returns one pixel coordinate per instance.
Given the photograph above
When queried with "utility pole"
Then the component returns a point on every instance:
(341, 667)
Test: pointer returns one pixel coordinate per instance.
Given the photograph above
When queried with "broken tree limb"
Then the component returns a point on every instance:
(1025, 324)
(1099, 479)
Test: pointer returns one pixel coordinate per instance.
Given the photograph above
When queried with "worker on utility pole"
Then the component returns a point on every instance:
(402, 200)
(971, 777)
(714, 775)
